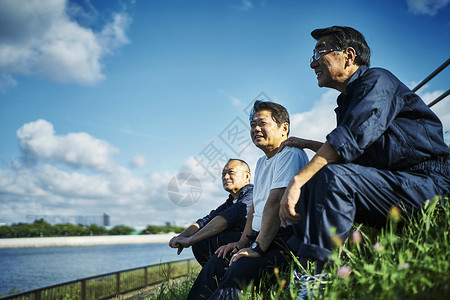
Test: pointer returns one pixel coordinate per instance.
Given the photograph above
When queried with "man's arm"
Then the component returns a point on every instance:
(243, 241)
(215, 226)
(324, 156)
(190, 230)
(173, 243)
(301, 144)
(194, 228)
(270, 225)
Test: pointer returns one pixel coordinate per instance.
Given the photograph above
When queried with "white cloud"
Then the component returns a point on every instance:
(139, 161)
(6, 81)
(426, 7)
(236, 102)
(441, 109)
(37, 141)
(318, 122)
(99, 185)
(40, 38)
(113, 34)
(75, 174)
(246, 5)
(243, 5)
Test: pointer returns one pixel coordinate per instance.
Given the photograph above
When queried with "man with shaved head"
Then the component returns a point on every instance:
(224, 224)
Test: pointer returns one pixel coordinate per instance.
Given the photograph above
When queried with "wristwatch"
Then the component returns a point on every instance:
(255, 247)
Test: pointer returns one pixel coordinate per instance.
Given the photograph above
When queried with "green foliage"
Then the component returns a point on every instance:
(70, 230)
(120, 230)
(4, 231)
(40, 228)
(96, 230)
(406, 260)
(152, 229)
(172, 290)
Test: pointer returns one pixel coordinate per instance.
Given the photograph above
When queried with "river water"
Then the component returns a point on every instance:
(30, 268)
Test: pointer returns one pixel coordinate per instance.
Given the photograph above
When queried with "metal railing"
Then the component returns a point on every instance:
(435, 72)
(112, 284)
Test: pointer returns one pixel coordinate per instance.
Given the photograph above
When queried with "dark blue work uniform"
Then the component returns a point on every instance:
(236, 216)
(393, 154)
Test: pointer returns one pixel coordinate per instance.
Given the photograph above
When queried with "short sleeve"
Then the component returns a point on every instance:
(289, 162)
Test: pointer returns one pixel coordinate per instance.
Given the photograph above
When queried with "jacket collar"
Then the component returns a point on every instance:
(244, 191)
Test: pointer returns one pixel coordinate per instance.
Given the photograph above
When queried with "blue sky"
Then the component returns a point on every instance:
(103, 103)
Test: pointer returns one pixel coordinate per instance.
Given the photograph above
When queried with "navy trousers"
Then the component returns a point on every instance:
(205, 248)
(218, 280)
(340, 194)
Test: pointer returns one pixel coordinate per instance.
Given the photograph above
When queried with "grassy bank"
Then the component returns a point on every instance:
(408, 259)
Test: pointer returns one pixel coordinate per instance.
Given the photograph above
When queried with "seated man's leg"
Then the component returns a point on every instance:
(218, 280)
(340, 194)
(204, 249)
(209, 277)
(248, 270)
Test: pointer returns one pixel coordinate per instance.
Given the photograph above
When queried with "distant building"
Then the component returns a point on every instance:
(105, 220)
(99, 220)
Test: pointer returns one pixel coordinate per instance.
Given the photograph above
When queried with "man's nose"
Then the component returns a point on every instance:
(314, 64)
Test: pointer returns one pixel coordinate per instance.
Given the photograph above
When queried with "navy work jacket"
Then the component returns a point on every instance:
(234, 213)
(381, 123)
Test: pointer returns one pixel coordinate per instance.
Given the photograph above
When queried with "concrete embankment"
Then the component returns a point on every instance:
(84, 240)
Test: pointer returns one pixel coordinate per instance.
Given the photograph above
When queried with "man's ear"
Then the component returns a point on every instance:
(285, 128)
(350, 56)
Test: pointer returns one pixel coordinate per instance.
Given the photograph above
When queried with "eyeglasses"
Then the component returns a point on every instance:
(319, 54)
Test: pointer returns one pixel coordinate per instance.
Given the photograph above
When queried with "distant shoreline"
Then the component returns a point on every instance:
(84, 240)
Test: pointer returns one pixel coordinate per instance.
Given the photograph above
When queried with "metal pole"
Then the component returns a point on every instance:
(145, 276)
(118, 284)
(439, 98)
(83, 289)
(439, 69)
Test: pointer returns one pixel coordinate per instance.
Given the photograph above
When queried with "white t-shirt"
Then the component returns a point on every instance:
(274, 173)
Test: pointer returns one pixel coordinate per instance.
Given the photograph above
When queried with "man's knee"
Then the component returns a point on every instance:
(201, 251)
(239, 273)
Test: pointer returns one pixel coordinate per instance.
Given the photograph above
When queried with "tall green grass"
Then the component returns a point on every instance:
(408, 259)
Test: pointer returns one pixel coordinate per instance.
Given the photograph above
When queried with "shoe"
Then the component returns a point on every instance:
(309, 284)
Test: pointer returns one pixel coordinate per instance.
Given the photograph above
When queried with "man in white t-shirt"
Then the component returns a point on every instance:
(262, 244)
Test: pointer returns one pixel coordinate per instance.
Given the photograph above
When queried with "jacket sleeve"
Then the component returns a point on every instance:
(236, 214)
(205, 220)
(372, 105)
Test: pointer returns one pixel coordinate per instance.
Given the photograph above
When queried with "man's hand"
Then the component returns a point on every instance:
(293, 142)
(174, 243)
(184, 242)
(287, 205)
(222, 251)
(246, 252)
(300, 143)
